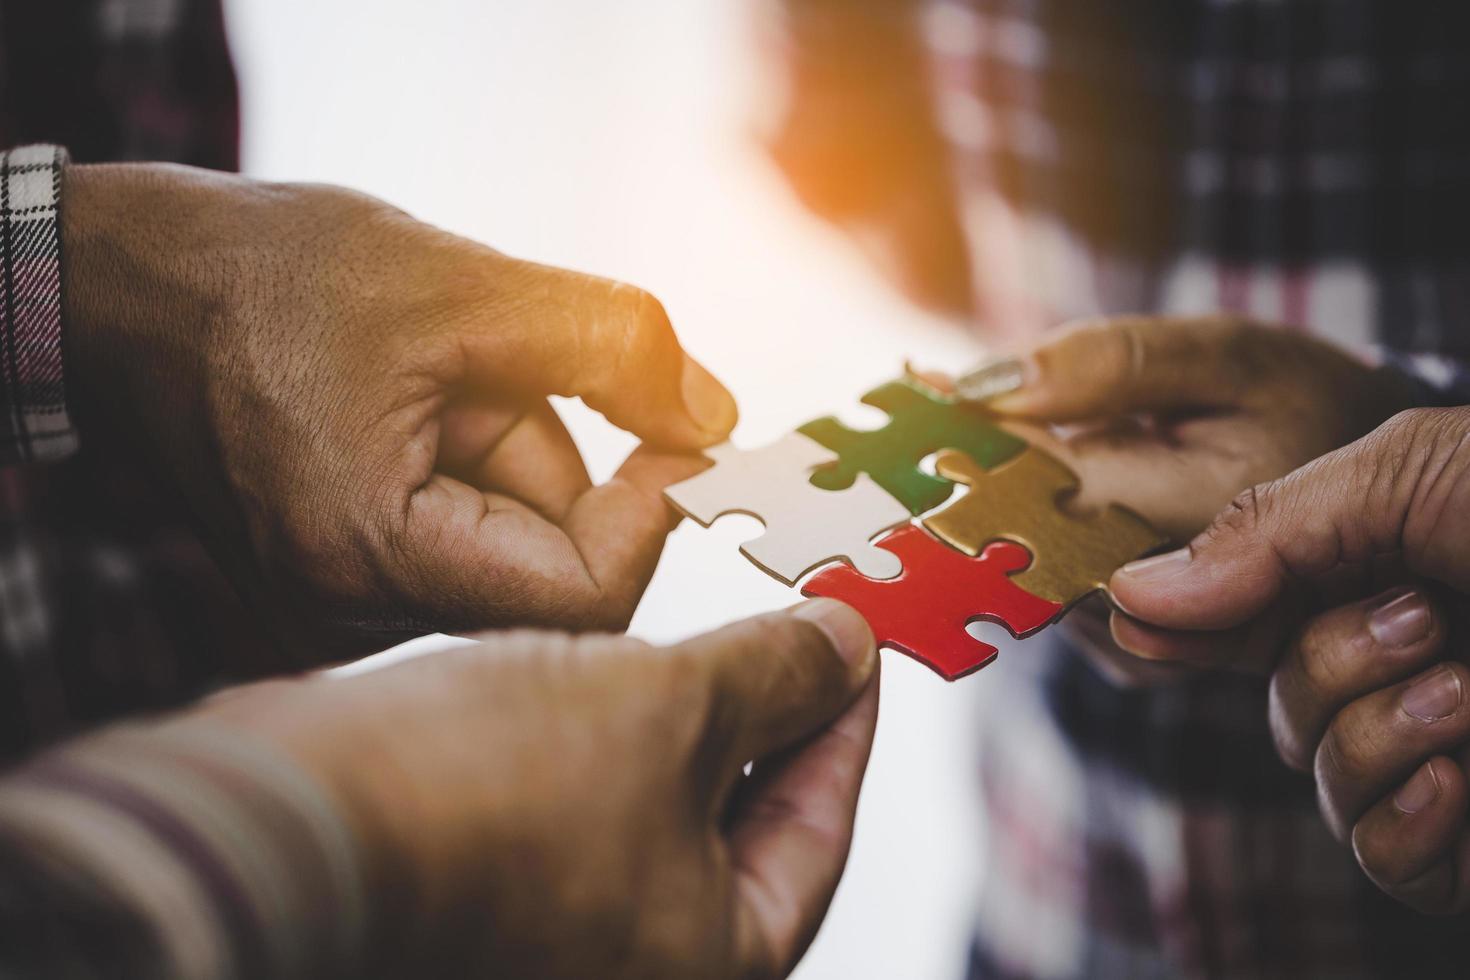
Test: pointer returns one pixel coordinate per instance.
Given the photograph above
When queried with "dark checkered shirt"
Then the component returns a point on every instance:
(141, 851)
(1304, 162)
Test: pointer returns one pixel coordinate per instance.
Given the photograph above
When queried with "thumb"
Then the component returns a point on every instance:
(776, 679)
(789, 834)
(611, 344)
(797, 692)
(1123, 365)
(1399, 496)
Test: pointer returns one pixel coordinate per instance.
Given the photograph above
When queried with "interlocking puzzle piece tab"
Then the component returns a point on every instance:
(919, 424)
(805, 525)
(924, 611)
(1071, 555)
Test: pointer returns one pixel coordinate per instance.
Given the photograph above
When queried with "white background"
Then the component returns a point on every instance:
(615, 137)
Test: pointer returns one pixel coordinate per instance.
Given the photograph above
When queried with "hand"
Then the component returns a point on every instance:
(1371, 693)
(548, 806)
(353, 404)
(1177, 416)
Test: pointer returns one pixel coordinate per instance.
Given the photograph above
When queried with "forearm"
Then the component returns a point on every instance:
(153, 254)
(174, 850)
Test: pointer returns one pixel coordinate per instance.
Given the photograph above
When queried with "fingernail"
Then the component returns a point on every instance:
(992, 380)
(844, 626)
(1421, 790)
(1400, 621)
(1435, 696)
(708, 403)
(1157, 568)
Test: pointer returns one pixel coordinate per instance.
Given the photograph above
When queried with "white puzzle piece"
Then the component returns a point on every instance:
(806, 526)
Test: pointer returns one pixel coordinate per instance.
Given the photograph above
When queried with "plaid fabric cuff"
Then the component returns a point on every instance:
(34, 424)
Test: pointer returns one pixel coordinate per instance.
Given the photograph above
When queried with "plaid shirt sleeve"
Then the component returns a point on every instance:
(35, 424)
(175, 849)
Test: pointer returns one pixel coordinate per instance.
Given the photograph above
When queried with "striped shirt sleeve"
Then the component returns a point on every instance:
(175, 850)
(35, 424)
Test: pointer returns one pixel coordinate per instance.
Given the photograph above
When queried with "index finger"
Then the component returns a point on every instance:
(1122, 365)
(611, 344)
(1394, 505)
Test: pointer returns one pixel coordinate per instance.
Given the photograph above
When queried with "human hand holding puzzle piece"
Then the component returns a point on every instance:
(1005, 551)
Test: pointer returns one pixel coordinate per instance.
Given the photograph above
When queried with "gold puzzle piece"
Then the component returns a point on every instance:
(1071, 556)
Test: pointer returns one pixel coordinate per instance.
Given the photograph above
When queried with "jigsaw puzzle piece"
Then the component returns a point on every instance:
(919, 424)
(805, 526)
(924, 611)
(1071, 555)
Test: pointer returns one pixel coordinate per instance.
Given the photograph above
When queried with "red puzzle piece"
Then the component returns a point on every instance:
(923, 612)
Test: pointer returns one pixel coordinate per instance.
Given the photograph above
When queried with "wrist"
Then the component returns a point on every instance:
(139, 287)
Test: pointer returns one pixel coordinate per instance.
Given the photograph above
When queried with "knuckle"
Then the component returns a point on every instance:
(1247, 508)
(1243, 516)
(637, 338)
(647, 311)
(581, 602)
(1406, 425)
(606, 610)
(1096, 344)
(1323, 655)
(1120, 349)
(1382, 460)
(643, 323)
(1412, 448)
(1394, 437)
(1349, 749)
(1433, 489)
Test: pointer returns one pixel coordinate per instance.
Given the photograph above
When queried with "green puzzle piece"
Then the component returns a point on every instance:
(918, 425)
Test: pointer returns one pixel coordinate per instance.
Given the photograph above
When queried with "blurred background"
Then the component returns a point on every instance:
(619, 138)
